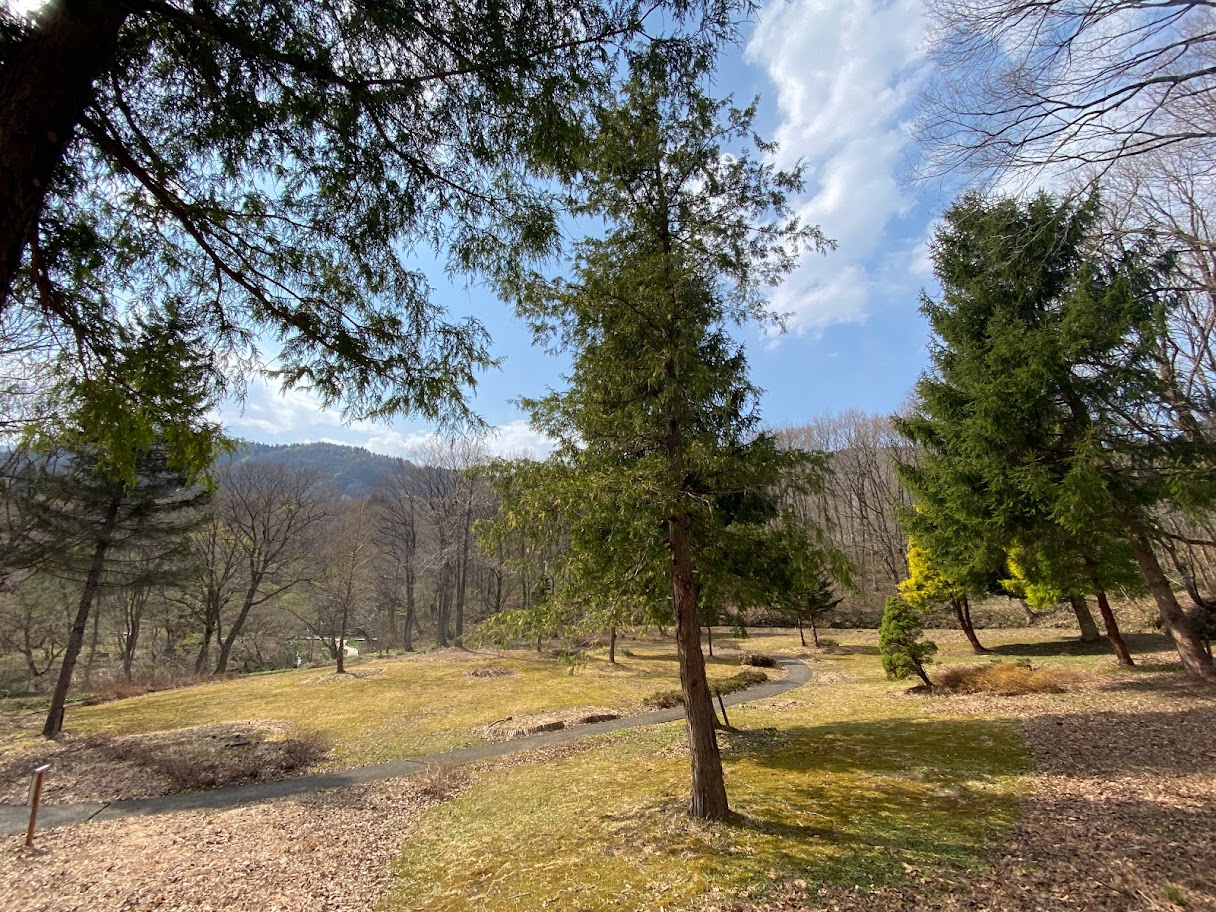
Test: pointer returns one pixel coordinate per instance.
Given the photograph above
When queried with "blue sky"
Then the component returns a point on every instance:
(836, 79)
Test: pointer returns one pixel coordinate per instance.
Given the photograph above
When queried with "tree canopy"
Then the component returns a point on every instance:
(282, 167)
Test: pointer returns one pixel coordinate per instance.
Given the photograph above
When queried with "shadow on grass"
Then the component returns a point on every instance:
(1138, 643)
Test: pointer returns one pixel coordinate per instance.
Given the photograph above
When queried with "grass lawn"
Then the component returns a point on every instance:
(847, 780)
(397, 707)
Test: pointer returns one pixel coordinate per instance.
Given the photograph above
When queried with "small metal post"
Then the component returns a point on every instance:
(35, 798)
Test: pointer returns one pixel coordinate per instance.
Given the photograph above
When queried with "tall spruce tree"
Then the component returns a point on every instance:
(658, 428)
(1045, 417)
(122, 467)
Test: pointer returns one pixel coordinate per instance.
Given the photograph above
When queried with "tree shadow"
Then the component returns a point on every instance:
(1137, 643)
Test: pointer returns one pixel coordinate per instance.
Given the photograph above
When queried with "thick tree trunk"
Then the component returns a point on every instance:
(45, 86)
(1195, 658)
(963, 612)
(92, 583)
(1085, 620)
(1112, 628)
(612, 645)
(708, 798)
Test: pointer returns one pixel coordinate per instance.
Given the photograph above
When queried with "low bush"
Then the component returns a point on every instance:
(213, 763)
(1005, 679)
(750, 677)
(758, 660)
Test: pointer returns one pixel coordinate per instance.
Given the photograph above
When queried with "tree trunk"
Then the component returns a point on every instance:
(708, 797)
(962, 610)
(1085, 620)
(814, 632)
(135, 615)
(1112, 628)
(612, 645)
(1195, 658)
(88, 664)
(92, 583)
(801, 635)
(221, 664)
(410, 612)
(462, 579)
(709, 636)
(341, 656)
(45, 86)
(1027, 611)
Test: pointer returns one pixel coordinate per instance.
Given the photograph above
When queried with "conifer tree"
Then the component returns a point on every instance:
(661, 474)
(117, 471)
(1045, 416)
(903, 649)
(929, 584)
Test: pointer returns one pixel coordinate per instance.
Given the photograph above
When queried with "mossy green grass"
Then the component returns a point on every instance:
(843, 783)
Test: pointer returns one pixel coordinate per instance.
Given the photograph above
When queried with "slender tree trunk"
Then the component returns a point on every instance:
(1112, 628)
(135, 616)
(1195, 658)
(963, 613)
(709, 635)
(708, 798)
(814, 632)
(612, 645)
(1085, 620)
(341, 656)
(801, 635)
(463, 579)
(410, 612)
(92, 583)
(1027, 611)
(221, 664)
(93, 637)
(45, 86)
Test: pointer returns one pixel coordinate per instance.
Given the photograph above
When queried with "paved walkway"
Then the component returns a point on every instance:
(14, 818)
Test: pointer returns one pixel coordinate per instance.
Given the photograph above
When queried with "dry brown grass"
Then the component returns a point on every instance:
(1005, 679)
(212, 762)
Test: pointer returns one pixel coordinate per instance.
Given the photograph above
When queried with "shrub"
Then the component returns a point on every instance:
(758, 660)
(749, 677)
(1006, 679)
(904, 651)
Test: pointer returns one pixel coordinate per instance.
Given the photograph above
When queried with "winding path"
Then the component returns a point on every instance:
(13, 818)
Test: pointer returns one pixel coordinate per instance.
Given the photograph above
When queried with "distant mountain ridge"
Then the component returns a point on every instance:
(352, 470)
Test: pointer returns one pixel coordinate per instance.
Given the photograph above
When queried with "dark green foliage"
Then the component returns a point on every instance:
(1047, 426)
(901, 643)
(285, 165)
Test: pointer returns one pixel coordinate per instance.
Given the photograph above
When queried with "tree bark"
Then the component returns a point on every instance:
(801, 635)
(709, 636)
(612, 645)
(45, 86)
(93, 637)
(1085, 620)
(221, 664)
(1112, 628)
(814, 633)
(407, 642)
(92, 583)
(1195, 658)
(963, 612)
(708, 798)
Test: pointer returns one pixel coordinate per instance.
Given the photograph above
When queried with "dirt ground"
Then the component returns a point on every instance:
(1120, 814)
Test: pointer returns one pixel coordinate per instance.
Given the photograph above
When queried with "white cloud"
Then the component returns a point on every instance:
(271, 416)
(845, 71)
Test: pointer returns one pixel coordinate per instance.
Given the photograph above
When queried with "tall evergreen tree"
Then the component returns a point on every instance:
(658, 429)
(124, 465)
(1044, 417)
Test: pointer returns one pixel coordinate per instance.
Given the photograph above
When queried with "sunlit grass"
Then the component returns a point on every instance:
(398, 707)
(841, 783)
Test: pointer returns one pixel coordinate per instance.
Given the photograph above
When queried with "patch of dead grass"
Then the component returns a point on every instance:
(1005, 679)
